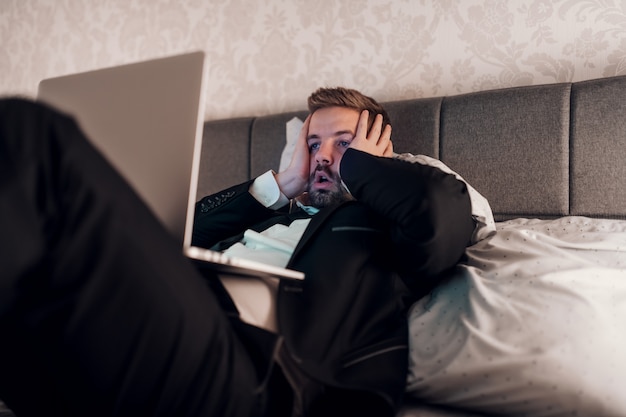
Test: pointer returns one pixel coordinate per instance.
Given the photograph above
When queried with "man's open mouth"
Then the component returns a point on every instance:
(323, 180)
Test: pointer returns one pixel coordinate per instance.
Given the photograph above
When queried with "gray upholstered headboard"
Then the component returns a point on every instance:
(538, 151)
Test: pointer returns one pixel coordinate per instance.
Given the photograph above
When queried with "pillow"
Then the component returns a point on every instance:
(481, 210)
(531, 325)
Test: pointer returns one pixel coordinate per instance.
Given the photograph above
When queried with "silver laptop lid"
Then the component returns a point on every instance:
(145, 118)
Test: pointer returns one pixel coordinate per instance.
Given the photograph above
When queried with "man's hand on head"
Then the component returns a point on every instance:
(377, 141)
(293, 180)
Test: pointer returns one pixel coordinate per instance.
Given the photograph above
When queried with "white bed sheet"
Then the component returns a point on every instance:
(533, 324)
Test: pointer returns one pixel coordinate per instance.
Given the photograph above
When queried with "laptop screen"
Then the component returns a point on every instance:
(145, 118)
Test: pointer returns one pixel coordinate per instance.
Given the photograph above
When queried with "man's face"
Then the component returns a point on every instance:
(331, 131)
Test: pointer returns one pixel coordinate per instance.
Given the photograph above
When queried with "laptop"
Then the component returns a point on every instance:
(146, 118)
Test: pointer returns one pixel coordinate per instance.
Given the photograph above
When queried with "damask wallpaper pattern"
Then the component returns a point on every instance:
(266, 56)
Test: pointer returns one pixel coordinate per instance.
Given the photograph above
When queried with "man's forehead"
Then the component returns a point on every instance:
(332, 120)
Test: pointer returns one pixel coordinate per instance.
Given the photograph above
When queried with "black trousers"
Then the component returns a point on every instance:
(100, 314)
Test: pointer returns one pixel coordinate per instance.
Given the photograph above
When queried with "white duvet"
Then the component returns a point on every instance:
(532, 324)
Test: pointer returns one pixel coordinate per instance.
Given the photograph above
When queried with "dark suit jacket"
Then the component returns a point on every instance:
(345, 324)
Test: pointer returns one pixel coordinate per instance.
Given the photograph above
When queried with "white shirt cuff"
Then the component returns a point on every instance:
(266, 191)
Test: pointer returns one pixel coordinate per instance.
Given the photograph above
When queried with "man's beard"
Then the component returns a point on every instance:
(327, 197)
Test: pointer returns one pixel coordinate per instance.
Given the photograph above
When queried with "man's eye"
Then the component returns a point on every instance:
(314, 146)
(344, 143)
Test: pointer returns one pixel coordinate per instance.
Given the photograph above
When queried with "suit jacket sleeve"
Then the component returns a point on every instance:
(429, 211)
(227, 213)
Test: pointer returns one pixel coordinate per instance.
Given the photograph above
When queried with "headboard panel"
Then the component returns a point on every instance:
(225, 156)
(512, 146)
(537, 151)
(598, 174)
(416, 125)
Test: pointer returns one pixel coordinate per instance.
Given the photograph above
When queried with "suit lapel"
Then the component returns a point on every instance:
(316, 222)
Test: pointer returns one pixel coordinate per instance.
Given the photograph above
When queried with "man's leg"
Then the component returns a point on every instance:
(100, 314)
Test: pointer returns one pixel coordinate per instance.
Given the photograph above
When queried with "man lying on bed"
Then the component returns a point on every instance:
(407, 223)
(101, 314)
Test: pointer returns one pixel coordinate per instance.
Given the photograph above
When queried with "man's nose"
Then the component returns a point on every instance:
(324, 155)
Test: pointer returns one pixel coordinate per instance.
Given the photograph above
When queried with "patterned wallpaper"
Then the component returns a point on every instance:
(267, 55)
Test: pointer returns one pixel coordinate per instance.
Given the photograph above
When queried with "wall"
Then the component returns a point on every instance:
(267, 55)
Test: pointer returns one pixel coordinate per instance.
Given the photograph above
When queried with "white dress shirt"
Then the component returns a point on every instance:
(255, 298)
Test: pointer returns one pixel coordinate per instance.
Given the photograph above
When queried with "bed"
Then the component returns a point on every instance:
(532, 323)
